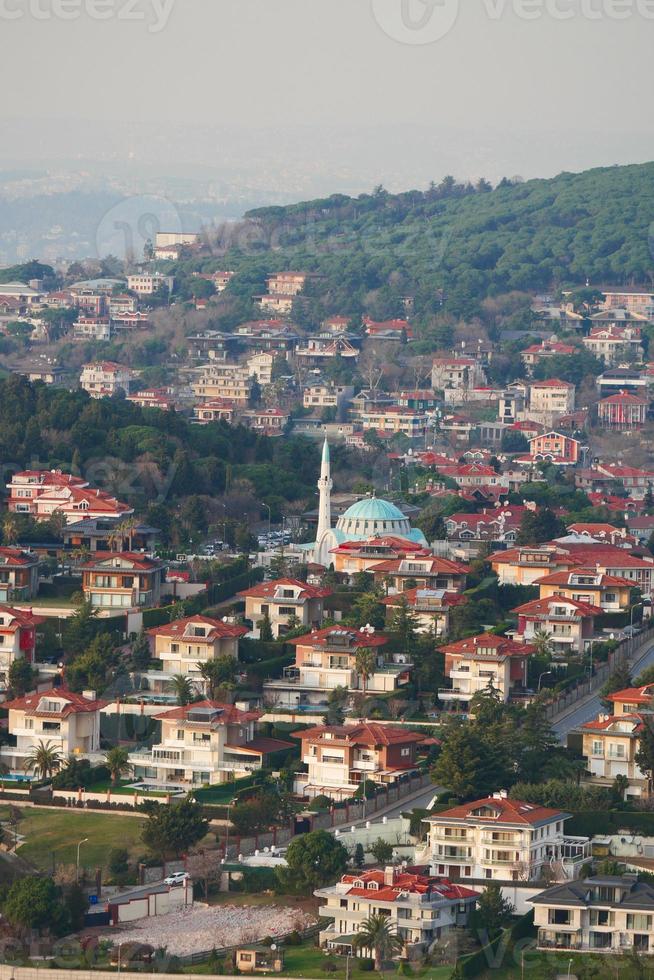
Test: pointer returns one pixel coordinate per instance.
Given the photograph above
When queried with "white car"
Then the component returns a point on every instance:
(178, 878)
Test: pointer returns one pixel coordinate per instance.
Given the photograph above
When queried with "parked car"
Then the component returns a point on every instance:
(178, 878)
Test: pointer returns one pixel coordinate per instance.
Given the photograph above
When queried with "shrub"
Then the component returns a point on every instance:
(118, 860)
(366, 964)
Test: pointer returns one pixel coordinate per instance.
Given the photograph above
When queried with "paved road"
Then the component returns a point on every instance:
(405, 805)
(588, 709)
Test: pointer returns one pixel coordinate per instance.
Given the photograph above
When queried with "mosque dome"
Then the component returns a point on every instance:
(373, 517)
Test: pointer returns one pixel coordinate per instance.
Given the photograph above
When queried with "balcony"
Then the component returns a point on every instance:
(454, 694)
(456, 854)
(441, 837)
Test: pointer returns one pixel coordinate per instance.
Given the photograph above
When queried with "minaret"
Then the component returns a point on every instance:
(324, 487)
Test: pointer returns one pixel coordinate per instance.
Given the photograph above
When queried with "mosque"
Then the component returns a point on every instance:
(369, 518)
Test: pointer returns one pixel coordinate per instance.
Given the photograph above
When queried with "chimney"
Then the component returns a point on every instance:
(389, 874)
(89, 695)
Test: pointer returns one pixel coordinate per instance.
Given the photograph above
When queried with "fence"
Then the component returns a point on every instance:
(623, 655)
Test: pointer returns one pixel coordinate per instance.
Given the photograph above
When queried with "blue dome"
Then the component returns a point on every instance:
(373, 509)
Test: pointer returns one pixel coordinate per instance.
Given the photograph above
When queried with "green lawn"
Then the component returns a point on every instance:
(56, 833)
(548, 965)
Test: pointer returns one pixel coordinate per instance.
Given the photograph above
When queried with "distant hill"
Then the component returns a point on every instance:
(455, 244)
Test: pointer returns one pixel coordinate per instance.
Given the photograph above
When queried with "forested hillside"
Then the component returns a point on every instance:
(454, 244)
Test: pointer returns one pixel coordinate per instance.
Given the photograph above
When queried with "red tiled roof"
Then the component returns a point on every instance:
(228, 714)
(403, 882)
(563, 578)
(411, 596)
(508, 811)
(322, 637)
(543, 606)
(633, 695)
(20, 618)
(75, 703)
(500, 645)
(552, 383)
(135, 559)
(367, 733)
(603, 724)
(217, 629)
(15, 556)
(266, 590)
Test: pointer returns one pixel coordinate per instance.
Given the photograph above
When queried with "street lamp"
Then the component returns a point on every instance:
(540, 679)
(262, 503)
(83, 841)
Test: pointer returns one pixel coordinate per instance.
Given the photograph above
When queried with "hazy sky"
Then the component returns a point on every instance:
(570, 80)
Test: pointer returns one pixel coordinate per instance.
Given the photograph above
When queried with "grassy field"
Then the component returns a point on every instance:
(54, 835)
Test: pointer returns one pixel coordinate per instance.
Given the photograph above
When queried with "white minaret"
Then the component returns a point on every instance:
(325, 488)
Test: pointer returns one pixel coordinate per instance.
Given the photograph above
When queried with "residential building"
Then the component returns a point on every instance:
(618, 379)
(418, 400)
(213, 410)
(287, 602)
(430, 608)
(204, 743)
(267, 421)
(631, 299)
(532, 356)
(184, 644)
(500, 523)
(511, 404)
(475, 475)
(260, 366)
(27, 485)
(633, 700)
(503, 840)
(622, 411)
(456, 372)
(123, 580)
(340, 757)
(73, 503)
(105, 378)
(322, 347)
(147, 283)
(50, 375)
(393, 420)
(19, 575)
(613, 343)
(588, 584)
(397, 330)
(286, 283)
(89, 327)
(554, 447)
(420, 570)
(610, 746)
(603, 914)
(619, 537)
(351, 557)
(109, 533)
(477, 662)
(569, 623)
(321, 396)
(161, 398)
(17, 639)
(267, 335)
(221, 279)
(164, 239)
(279, 304)
(525, 564)
(69, 722)
(327, 658)
(550, 399)
(421, 909)
(220, 379)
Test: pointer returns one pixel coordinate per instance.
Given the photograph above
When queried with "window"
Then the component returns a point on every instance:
(640, 921)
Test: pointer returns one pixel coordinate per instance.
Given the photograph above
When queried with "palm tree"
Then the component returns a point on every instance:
(10, 529)
(182, 688)
(378, 935)
(541, 640)
(126, 529)
(365, 664)
(117, 760)
(44, 760)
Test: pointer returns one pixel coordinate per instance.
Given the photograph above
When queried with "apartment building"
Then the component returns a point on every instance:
(587, 584)
(554, 447)
(601, 914)
(205, 743)
(430, 608)
(69, 723)
(19, 575)
(164, 239)
(503, 840)
(123, 580)
(632, 300)
(147, 283)
(393, 420)
(457, 372)
(89, 327)
(623, 411)
(105, 378)
(524, 565)
(610, 744)
(276, 304)
(327, 658)
(340, 757)
(550, 399)
(321, 396)
(17, 639)
(613, 343)
(220, 379)
(351, 557)
(183, 645)
(477, 662)
(286, 283)
(421, 570)
(286, 602)
(421, 909)
(570, 623)
(260, 366)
